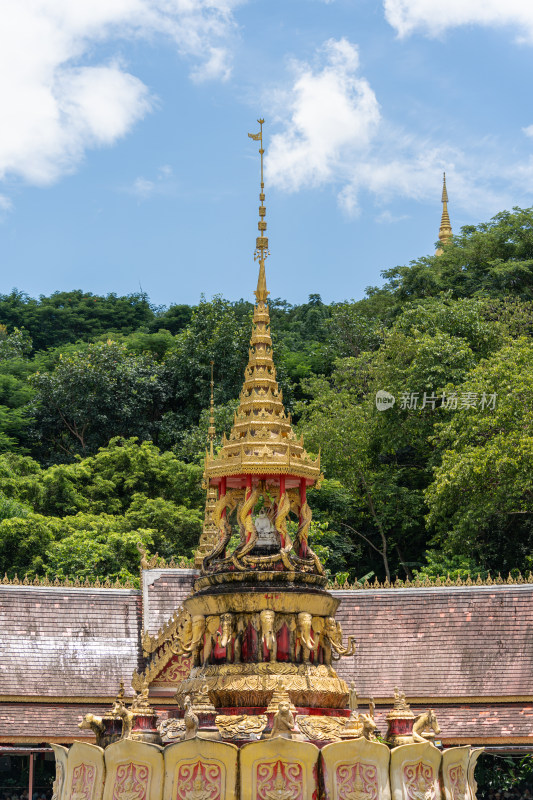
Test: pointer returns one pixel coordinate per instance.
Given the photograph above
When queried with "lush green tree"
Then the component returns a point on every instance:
(190, 444)
(93, 395)
(71, 316)
(216, 333)
(106, 482)
(491, 259)
(384, 458)
(83, 518)
(481, 499)
(173, 319)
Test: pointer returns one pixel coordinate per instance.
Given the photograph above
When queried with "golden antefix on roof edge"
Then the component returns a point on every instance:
(259, 712)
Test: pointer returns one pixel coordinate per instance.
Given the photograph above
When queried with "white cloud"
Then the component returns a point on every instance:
(334, 134)
(434, 17)
(55, 102)
(528, 131)
(333, 113)
(5, 203)
(387, 218)
(144, 188)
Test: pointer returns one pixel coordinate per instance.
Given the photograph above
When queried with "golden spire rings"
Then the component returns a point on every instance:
(261, 243)
(211, 431)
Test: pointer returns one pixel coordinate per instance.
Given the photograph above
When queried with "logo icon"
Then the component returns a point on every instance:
(384, 400)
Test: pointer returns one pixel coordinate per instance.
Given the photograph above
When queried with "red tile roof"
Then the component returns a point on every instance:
(164, 590)
(472, 723)
(441, 642)
(60, 642)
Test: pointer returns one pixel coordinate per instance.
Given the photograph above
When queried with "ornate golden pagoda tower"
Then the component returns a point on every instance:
(445, 230)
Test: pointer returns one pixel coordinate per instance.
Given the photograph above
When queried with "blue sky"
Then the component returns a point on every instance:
(124, 159)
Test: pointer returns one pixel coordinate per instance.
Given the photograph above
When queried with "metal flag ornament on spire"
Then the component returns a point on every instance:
(445, 230)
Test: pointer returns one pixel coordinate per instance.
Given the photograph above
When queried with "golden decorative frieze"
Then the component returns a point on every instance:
(320, 729)
(171, 730)
(241, 726)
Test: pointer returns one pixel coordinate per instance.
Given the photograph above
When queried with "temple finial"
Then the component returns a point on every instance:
(445, 230)
(211, 431)
(261, 243)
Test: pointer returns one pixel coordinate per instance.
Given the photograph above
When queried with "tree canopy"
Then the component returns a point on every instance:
(103, 416)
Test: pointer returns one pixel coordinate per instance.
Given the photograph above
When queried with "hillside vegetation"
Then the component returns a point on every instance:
(103, 418)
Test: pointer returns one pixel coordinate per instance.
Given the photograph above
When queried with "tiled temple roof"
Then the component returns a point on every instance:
(467, 651)
(446, 642)
(33, 723)
(477, 723)
(164, 590)
(59, 642)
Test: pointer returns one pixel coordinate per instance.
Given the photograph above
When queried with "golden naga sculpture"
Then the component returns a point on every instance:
(241, 726)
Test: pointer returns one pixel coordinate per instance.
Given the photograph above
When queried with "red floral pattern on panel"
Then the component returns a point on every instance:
(357, 781)
(280, 780)
(83, 778)
(175, 671)
(199, 780)
(419, 780)
(131, 782)
(457, 777)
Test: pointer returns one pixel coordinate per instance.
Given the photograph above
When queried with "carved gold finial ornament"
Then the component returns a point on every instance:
(445, 230)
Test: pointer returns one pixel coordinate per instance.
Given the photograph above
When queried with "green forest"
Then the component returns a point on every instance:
(104, 415)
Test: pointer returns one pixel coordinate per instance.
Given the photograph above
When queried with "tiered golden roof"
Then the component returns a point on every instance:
(262, 440)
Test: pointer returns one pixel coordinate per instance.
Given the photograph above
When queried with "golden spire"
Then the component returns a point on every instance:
(261, 243)
(445, 230)
(262, 439)
(211, 431)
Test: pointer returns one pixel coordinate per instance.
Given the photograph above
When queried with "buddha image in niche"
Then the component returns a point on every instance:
(267, 536)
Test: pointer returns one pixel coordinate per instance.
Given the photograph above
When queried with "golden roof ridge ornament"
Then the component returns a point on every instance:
(445, 230)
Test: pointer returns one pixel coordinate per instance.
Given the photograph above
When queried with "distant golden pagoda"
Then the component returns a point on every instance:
(445, 230)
